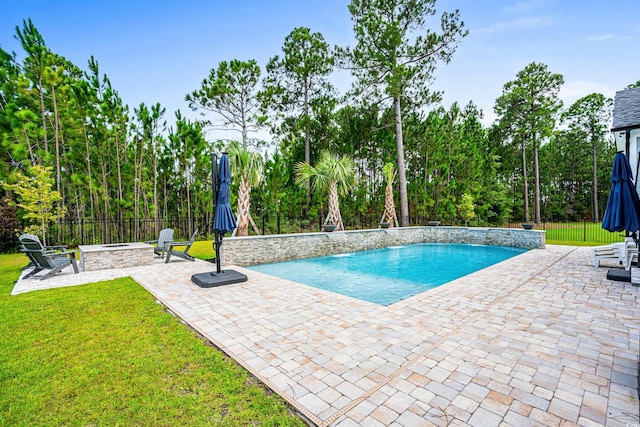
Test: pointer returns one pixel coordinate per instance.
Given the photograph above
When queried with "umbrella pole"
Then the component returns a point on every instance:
(214, 189)
(636, 239)
(214, 177)
(218, 242)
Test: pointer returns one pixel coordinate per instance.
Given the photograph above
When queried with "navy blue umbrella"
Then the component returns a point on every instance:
(224, 220)
(623, 206)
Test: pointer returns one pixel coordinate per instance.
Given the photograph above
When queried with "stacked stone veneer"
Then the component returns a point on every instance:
(100, 257)
(253, 250)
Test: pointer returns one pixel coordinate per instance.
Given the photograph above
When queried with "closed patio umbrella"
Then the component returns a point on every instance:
(623, 205)
(223, 221)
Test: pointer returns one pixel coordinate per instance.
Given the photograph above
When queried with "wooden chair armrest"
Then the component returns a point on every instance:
(71, 254)
(63, 248)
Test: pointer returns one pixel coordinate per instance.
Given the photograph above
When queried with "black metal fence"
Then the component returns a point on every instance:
(73, 232)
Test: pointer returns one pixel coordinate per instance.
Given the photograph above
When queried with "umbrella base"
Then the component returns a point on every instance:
(619, 275)
(213, 279)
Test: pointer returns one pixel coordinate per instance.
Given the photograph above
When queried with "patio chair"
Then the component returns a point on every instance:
(162, 244)
(183, 253)
(35, 243)
(631, 259)
(616, 252)
(41, 260)
(629, 264)
(36, 240)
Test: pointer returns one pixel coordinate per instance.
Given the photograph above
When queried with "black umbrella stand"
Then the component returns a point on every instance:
(219, 277)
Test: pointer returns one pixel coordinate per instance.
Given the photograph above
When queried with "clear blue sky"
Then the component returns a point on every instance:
(158, 51)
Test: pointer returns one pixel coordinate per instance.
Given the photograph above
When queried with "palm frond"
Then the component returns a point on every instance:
(245, 163)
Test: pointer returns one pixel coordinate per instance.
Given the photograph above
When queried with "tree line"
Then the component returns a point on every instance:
(539, 160)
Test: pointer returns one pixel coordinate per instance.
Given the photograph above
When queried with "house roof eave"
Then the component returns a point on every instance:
(632, 127)
(626, 109)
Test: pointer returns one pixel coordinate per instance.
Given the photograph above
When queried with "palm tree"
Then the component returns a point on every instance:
(389, 205)
(248, 165)
(333, 172)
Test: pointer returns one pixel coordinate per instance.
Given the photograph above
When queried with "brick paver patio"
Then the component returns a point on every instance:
(540, 339)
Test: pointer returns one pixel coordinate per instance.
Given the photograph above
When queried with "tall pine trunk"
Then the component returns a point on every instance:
(56, 134)
(105, 197)
(536, 172)
(307, 143)
(245, 130)
(166, 199)
(43, 113)
(525, 177)
(119, 168)
(596, 213)
(26, 138)
(154, 145)
(402, 175)
(188, 190)
(57, 139)
(92, 192)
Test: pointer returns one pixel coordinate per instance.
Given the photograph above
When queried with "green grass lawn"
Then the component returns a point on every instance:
(580, 234)
(574, 243)
(202, 249)
(108, 354)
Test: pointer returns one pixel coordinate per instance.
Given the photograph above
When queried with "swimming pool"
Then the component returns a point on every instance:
(388, 275)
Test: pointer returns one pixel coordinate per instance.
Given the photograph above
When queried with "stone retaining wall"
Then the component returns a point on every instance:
(118, 255)
(243, 251)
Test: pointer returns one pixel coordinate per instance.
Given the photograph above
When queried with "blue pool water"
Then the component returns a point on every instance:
(388, 275)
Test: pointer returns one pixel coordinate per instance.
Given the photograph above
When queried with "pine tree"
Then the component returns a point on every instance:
(297, 86)
(395, 59)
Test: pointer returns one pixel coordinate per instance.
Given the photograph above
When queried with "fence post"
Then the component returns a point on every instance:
(278, 223)
(584, 228)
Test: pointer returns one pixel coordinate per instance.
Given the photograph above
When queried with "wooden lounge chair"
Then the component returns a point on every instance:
(41, 260)
(162, 244)
(183, 253)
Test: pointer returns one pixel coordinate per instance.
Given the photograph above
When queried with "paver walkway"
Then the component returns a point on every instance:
(540, 339)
